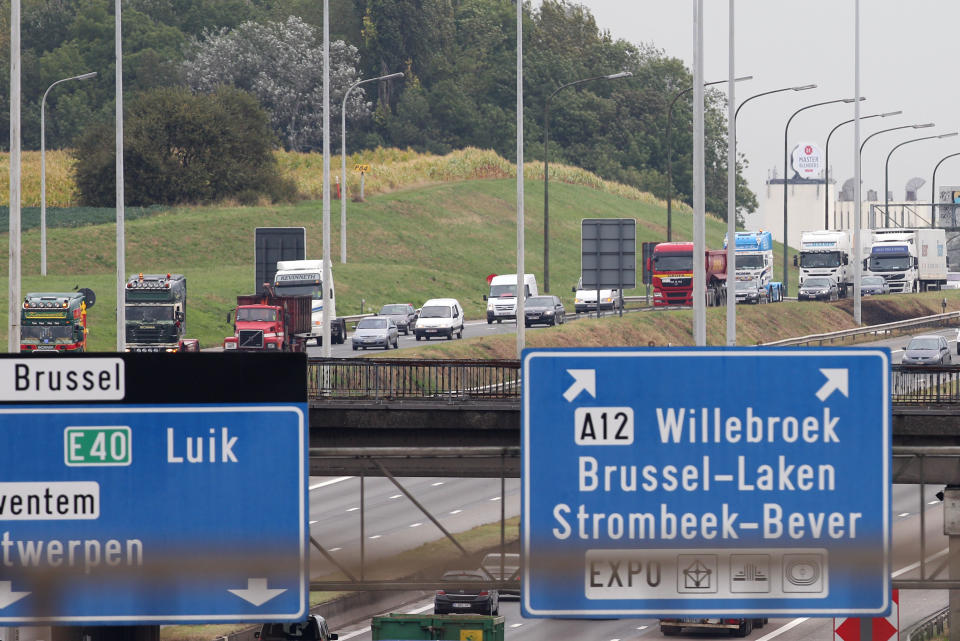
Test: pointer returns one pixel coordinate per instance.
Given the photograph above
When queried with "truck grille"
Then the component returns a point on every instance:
(250, 339)
(140, 335)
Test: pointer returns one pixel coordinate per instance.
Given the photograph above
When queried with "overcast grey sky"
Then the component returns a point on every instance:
(908, 63)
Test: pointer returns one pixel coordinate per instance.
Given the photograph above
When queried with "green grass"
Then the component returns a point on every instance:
(438, 240)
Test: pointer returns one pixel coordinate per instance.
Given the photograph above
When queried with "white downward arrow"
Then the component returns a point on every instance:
(837, 380)
(8, 596)
(257, 592)
(583, 380)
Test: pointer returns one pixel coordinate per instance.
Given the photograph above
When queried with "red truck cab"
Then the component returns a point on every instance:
(270, 324)
(671, 269)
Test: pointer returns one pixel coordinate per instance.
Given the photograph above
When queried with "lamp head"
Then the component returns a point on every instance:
(849, 100)
(87, 75)
(891, 113)
(948, 135)
(621, 74)
(804, 87)
(924, 125)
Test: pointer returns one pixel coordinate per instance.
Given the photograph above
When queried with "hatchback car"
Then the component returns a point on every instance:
(546, 310)
(874, 285)
(376, 331)
(927, 350)
(460, 599)
(403, 314)
(818, 288)
(313, 628)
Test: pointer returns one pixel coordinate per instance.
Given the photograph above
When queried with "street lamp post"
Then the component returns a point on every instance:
(826, 163)
(886, 169)
(343, 161)
(43, 169)
(877, 133)
(933, 189)
(676, 97)
(546, 167)
(786, 173)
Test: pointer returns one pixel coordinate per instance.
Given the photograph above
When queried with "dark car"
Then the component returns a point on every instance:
(818, 288)
(546, 310)
(928, 349)
(461, 599)
(503, 567)
(403, 314)
(313, 628)
(874, 285)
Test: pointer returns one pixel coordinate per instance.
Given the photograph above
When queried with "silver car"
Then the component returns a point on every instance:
(927, 350)
(376, 331)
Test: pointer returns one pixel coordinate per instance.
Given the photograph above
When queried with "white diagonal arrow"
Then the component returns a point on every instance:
(837, 380)
(8, 596)
(584, 380)
(257, 592)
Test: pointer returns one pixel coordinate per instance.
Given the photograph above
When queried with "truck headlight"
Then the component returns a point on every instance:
(271, 346)
(229, 346)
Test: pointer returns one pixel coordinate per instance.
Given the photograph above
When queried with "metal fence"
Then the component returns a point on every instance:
(403, 378)
(934, 626)
(456, 380)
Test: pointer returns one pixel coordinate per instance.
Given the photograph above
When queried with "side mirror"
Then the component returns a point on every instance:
(864, 264)
(916, 261)
(573, 290)
(846, 259)
(484, 297)
(229, 316)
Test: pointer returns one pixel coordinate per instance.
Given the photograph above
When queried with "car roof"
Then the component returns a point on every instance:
(442, 301)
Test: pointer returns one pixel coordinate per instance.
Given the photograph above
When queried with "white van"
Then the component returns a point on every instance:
(502, 299)
(439, 317)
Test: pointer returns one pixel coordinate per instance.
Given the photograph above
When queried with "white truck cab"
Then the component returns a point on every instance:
(305, 278)
(502, 299)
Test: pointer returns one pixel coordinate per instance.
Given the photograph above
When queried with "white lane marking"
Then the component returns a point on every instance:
(334, 549)
(496, 498)
(641, 627)
(352, 509)
(395, 496)
(933, 502)
(515, 625)
(330, 482)
(416, 524)
(792, 624)
(902, 514)
(456, 512)
(437, 483)
(312, 522)
(376, 536)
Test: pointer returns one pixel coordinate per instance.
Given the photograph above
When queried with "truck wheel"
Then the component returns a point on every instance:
(489, 321)
(354, 348)
(745, 628)
(417, 336)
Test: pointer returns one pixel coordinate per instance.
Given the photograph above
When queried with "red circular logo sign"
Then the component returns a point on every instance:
(808, 150)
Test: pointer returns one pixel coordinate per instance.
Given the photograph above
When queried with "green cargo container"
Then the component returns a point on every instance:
(448, 627)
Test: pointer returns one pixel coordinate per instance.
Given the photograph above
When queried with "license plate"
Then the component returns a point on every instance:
(431, 331)
(461, 605)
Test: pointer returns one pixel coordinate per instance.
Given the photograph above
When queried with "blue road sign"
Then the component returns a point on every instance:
(168, 513)
(681, 482)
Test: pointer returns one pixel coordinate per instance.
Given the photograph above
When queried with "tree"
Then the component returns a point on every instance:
(281, 63)
(181, 147)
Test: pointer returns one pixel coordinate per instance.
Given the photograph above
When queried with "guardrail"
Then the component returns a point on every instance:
(886, 328)
(458, 380)
(404, 378)
(934, 626)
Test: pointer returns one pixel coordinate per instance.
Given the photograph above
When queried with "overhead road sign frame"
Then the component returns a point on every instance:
(608, 253)
(184, 505)
(688, 482)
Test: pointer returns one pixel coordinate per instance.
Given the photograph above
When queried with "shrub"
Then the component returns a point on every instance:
(181, 147)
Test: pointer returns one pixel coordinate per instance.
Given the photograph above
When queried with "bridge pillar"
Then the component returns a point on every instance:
(951, 528)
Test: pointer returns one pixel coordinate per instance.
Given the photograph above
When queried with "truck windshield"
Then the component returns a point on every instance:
(749, 261)
(503, 290)
(149, 313)
(819, 259)
(673, 262)
(256, 314)
(888, 263)
(293, 288)
(46, 332)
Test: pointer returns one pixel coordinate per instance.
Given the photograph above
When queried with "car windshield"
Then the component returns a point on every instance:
(749, 261)
(463, 576)
(540, 301)
(503, 290)
(372, 323)
(817, 282)
(747, 285)
(256, 314)
(149, 312)
(872, 281)
(673, 262)
(819, 259)
(395, 309)
(924, 342)
(436, 311)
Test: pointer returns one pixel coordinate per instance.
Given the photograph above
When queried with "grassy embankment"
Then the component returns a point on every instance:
(431, 226)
